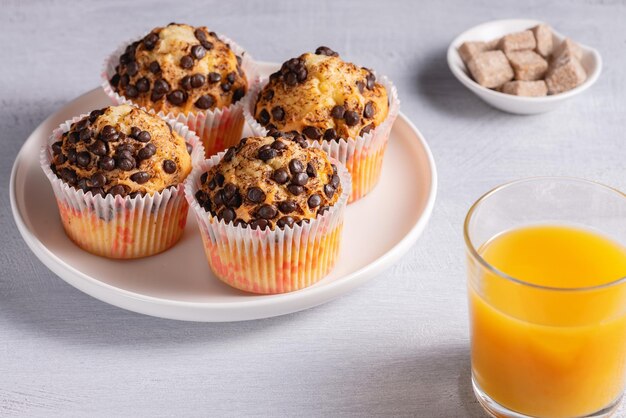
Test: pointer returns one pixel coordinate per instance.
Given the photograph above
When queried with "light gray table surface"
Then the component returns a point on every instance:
(397, 346)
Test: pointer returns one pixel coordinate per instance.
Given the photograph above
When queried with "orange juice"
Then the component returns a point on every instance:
(555, 345)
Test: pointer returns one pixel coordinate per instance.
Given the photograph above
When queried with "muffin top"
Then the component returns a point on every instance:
(270, 182)
(180, 69)
(121, 150)
(322, 97)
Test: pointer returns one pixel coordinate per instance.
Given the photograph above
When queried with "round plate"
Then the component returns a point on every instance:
(178, 283)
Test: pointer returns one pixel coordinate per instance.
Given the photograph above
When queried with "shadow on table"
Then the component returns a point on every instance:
(46, 306)
(436, 83)
(436, 383)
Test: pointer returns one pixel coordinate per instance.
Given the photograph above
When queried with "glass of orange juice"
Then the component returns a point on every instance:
(547, 298)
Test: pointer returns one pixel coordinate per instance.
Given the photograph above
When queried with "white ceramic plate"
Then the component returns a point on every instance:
(591, 61)
(178, 283)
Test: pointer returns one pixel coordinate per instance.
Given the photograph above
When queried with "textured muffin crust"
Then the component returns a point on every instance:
(121, 150)
(322, 97)
(180, 69)
(270, 182)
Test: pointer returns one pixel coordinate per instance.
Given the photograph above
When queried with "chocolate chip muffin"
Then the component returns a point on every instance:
(270, 182)
(180, 69)
(121, 150)
(322, 97)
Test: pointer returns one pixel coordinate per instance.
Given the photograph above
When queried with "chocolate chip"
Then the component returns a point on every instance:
(146, 152)
(201, 197)
(205, 101)
(227, 215)
(279, 145)
(287, 206)
(368, 111)
(140, 177)
(238, 94)
(189, 147)
(154, 67)
(125, 164)
(59, 159)
(98, 148)
(259, 223)
(149, 42)
(255, 195)
(69, 175)
(155, 96)
(57, 147)
(197, 80)
(71, 155)
(300, 179)
(186, 62)
(115, 80)
(312, 132)
(169, 166)
(334, 181)
(278, 113)
(125, 58)
(144, 136)
(214, 77)
(371, 80)
(323, 209)
(264, 117)
(97, 191)
(324, 50)
(161, 86)
(285, 221)
(280, 176)
(366, 129)
(291, 79)
(329, 191)
(83, 159)
(131, 91)
(97, 180)
(330, 134)
(132, 68)
(106, 163)
(118, 189)
(314, 200)
(268, 94)
(219, 178)
(296, 166)
(143, 85)
(267, 211)
(337, 112)
(200, 34)
(198, 51)
(73, 137)
(361, 86)
(134, 132)
(185, 82)
(351, 117)
(124, 80)
(310, 170)
(204, 177)
(226, 87)
(206, 44)
(177, 97)
(266, 153)
(294, 189)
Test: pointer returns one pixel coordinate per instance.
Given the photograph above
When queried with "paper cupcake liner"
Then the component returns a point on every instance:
(218, 129)
(362, 156)
(116, 226)
(266, 261)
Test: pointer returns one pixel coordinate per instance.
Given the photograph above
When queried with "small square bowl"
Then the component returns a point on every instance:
(591, 62)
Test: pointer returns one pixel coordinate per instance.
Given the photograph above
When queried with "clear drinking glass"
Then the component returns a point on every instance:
(545, 350)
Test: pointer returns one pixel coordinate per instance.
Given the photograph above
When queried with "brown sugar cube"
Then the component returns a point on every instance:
(518, 41)
(568, 48)
(525, 88)
(527, 65)
(490, 69)
(469, 50)
(565, 74)
(543, 37)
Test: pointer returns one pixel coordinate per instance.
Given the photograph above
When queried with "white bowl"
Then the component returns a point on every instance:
(591, 62)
